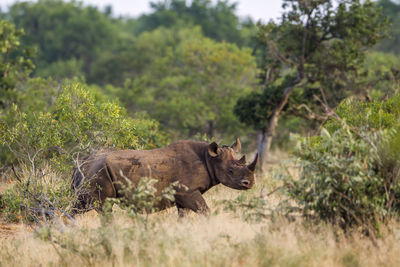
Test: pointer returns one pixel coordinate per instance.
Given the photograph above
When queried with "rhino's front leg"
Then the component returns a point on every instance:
(193, 201)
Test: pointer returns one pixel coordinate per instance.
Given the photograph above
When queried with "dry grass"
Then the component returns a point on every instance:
(223, 239)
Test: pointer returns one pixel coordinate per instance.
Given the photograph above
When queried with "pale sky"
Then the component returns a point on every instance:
(257, 9)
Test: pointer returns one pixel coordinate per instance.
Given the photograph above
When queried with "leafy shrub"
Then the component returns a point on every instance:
(15, 62)
(367, 116)
(78, 123)
(338, 182)
(254, 208)
(350, 172)
(38, 196)
(143, 197)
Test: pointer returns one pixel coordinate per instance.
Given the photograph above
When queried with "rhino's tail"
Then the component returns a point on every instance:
(76, 179)
(83, 201)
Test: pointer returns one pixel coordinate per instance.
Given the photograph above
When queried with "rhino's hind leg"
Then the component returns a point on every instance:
(94, 194)
(103, 188)
(193, 201)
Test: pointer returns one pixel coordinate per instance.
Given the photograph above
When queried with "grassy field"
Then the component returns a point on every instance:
(226, 238)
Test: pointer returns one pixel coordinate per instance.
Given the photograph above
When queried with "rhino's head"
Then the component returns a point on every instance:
(229, 170)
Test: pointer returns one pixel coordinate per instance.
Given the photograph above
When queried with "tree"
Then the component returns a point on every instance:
(218, 21)
(15, 64)
(65, 32)
(75, 40)
(391, 9)
(191, 83)
(136, 57)
(316, 50)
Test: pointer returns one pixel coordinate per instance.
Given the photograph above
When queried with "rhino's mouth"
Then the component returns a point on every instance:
(245, 184)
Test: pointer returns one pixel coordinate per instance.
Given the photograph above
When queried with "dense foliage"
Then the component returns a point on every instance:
(149, 62)
(55, 29)
(76, 122)
(391, 8)
(349, 173)
(218, 21)
(15, 63)
(194, 84)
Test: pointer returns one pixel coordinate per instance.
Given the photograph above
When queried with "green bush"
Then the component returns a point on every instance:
(253, 208)
(37, 196)
(350, 172)
(54, 139)
(367, 116)
(77, 123)
(143, 197)
(15, 62)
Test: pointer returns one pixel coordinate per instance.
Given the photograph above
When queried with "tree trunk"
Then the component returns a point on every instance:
(211, 129)
(265, 137)
(261, 148)
(265, 140)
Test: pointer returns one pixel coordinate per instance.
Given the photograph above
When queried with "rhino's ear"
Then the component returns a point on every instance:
(242, 160)
(213, 149)
(236, 146)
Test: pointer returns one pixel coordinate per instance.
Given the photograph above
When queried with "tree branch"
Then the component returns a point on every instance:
(15, 173)
(310, 115)
(304, 44)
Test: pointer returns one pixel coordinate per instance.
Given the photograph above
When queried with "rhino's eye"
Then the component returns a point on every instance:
(230, 170)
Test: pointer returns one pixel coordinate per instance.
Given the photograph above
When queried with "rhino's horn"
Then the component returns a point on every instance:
(237, 146)
(252, 166)
(242, 160)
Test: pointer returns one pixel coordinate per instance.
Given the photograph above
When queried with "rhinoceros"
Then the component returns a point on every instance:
(196, 165)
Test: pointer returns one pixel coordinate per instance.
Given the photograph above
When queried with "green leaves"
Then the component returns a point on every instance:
(368, 116)
(56, 28)
(15, 65)
(193, 84)
(349, 173)
(218, 21)
(76, 123)
(142, 197)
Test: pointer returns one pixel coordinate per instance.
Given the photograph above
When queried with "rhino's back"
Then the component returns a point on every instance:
(135, 163)
(165, 164)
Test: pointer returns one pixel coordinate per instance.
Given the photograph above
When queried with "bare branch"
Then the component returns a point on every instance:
(15, 173)
(272, 46)
(304, 44)
(310, 115)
